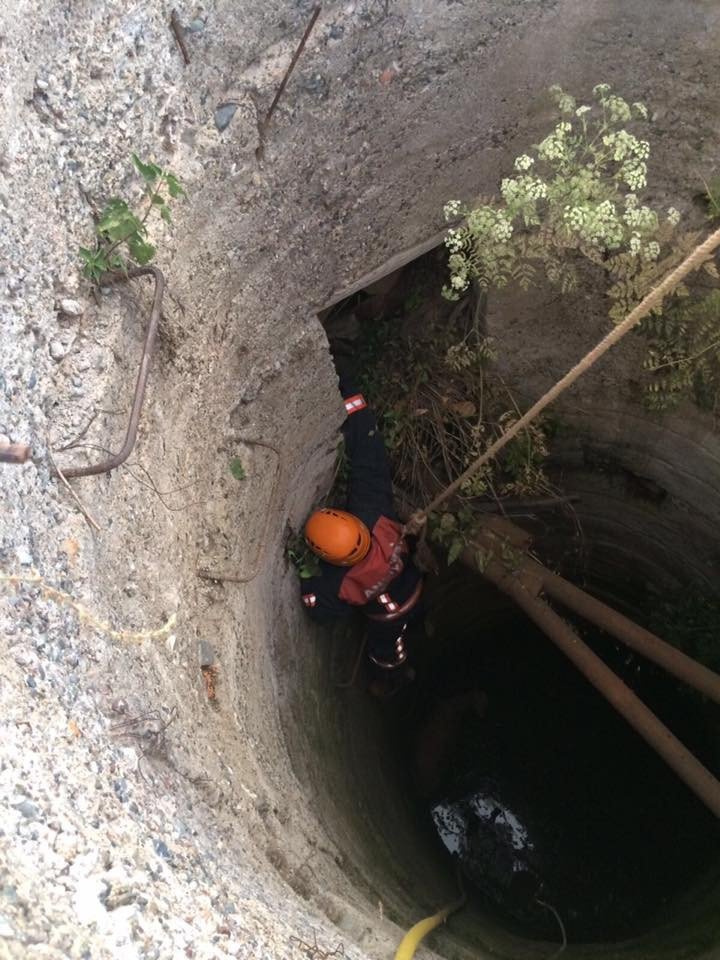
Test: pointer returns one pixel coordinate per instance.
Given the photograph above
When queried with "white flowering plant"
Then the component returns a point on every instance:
(575, 191)
(573, 199)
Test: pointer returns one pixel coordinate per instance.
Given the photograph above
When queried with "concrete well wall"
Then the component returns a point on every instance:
(138, 818)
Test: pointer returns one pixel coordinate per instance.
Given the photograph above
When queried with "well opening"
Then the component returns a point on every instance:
(629, 856)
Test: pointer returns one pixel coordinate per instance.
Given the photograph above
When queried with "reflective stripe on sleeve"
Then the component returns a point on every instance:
(354, 403)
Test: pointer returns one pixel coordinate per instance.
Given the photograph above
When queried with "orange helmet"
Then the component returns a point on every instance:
(337, 536)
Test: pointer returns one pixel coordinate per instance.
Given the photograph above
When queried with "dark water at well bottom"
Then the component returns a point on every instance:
(542, 791)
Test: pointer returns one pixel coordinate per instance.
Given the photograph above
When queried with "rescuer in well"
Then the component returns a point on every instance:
(364, 560)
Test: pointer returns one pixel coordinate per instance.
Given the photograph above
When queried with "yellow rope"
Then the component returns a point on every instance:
(695, 259)
(411, 940)
(85, 615)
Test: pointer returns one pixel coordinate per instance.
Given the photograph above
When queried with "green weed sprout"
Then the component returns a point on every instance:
(121, 233)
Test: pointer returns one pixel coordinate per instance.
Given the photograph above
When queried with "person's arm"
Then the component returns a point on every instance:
(370, 494)
(321, 601)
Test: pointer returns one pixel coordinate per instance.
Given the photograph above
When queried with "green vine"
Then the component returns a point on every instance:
(684, 354)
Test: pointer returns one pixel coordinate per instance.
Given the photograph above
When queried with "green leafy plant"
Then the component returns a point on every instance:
(455, 532)
(122, 233)
(451, 531)
(524, 456)
(301, 556)
(427, 370)
(572, 206)
(684, 354)
(711, 197)
(237, 469)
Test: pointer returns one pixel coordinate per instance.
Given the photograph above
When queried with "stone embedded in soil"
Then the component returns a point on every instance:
(224, 114)
(57, 350)
(121, 790)
(28, 809)
(24, 556)
(317, 85)
(206, 653)
(71, 308)
(162, 850)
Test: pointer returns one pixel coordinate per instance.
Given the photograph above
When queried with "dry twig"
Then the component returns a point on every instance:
(150, 482)
(148, 731)
(80, 505)
(313, 952)
(83, 433)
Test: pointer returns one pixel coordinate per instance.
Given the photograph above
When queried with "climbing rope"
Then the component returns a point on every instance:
(695, 259)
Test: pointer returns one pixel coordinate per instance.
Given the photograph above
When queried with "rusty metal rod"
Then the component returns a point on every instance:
(632, 635)
(697, 777)
(105, 466)
(296, 56)
(14, 453)
(179, 33)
